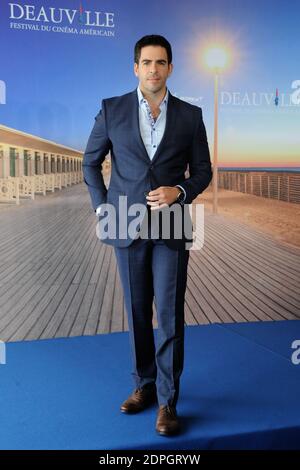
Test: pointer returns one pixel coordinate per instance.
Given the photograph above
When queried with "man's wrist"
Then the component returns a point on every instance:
(181, 195)
(179, 191)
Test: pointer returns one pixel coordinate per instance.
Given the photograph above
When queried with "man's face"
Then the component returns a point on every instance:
(153, 68)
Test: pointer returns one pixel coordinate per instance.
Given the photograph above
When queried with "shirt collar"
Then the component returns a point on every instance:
(141, 97)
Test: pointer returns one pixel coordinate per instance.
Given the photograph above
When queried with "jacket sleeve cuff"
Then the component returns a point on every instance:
(184, 193)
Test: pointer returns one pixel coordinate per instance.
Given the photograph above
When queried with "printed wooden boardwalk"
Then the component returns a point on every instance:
(57, 279)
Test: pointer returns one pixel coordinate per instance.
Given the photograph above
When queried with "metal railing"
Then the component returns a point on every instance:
(274, 185)
(12, 188)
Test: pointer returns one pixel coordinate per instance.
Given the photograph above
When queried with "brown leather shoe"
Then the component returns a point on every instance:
(167, 422)
(140, 399)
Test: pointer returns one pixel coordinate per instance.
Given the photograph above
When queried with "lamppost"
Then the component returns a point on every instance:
(216, 59)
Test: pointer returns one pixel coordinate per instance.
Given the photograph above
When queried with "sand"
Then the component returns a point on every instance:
(278, 218)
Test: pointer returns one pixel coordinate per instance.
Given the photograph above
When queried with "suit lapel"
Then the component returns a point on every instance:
(169, 129)
(136, 126)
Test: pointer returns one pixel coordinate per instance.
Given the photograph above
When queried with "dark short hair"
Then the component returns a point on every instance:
(152, 40)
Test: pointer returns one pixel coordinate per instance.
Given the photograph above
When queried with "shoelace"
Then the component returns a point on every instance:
(139, 392)
(169, 410)
(142, 390)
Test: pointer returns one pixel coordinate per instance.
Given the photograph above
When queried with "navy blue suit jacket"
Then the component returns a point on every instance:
(183, 145)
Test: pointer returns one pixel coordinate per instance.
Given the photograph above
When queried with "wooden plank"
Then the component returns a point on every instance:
(241, 286)
(225, 300)
(57, 279)
(259, 243)
(107, 304)
(257, 277)
(96, 310)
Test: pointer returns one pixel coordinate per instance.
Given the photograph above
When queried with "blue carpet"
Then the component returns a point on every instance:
(239, 390)
(276, 336)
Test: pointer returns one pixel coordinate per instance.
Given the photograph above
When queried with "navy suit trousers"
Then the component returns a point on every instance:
(149, 270)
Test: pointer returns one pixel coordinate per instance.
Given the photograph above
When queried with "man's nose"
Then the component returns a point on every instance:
(153, 68)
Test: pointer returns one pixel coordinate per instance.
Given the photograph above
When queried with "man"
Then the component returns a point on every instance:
(153, 138)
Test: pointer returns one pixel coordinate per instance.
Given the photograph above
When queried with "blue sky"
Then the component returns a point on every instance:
(55, 82)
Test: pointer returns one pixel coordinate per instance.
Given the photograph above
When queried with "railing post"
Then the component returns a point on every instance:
(17, 190)
(260, 184)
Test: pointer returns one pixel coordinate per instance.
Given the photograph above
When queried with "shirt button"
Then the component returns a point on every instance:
(154, 146)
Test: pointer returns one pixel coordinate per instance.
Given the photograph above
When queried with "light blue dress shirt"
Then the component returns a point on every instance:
(152, 131)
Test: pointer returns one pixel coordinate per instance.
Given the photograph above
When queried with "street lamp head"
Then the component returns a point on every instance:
(216, 58)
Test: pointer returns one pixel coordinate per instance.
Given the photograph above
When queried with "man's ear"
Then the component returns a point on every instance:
(170, 69)
(135, 69)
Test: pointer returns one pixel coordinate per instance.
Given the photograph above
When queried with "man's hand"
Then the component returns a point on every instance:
(162, 197)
